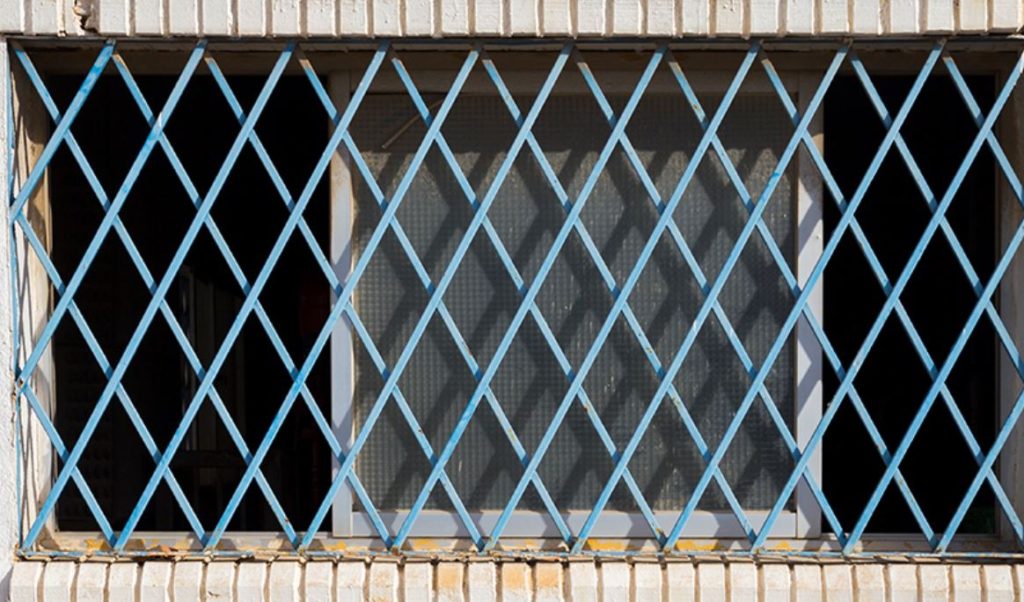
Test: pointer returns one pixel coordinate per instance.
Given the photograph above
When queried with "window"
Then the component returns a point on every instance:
(573, 304)
(514, 301)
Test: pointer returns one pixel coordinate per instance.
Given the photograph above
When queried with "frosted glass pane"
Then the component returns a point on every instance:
(482, 300)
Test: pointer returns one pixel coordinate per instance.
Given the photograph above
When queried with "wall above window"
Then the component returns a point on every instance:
(460, 18)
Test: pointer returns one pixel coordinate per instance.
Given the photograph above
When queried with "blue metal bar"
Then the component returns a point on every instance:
(72, 286)
(366, 339)
(342, 301)
(519, 283)
(528, 299)
(63, 127)
(848, 221)
(377, 407)
(133, 253)
(336, 288)
(845, 221)
(247, 306)
(694, 266)
(302, 374)
(539, 279)
(728, 265)
(984, 301)
(160, 291)
(811, 148)
(386, 221)
(194, 362)
(1013, 417)
(976, 284)
(12, 252)
(791, 282)
(425, 280)
(915, 256)
(710, 297)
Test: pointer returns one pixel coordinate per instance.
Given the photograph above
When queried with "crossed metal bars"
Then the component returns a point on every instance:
(344, 309)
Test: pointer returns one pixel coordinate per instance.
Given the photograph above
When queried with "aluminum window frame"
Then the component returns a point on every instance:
(804, 521)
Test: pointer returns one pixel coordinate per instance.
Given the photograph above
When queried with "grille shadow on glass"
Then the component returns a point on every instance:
(482, 300)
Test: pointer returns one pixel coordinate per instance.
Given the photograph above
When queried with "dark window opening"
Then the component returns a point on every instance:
(205, 298)
(893, 382)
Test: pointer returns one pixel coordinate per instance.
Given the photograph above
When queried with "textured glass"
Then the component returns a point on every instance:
(619, 216)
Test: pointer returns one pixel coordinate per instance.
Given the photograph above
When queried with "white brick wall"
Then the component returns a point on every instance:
(481, 581)
(487, 581)
(457, 18)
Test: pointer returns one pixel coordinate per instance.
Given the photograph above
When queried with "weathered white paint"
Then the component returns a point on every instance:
(355, 580)
(482, 582)
(584, 18)
(349, 581)
(220, 580)
(187, 579)
(450, 581)
(838, 580)
(902, 583)
(516, 582)
(583, 581)
(250, 583)
(775, 583)
(8, 457)
(807, 583)
(870, 579)
(418, 582)
(997, 583)
(121, 580)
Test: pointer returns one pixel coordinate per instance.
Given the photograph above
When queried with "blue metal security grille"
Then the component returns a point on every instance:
(477, 59)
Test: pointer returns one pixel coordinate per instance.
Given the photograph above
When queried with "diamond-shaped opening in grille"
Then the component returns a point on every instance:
(437, 385)
(667, 463)
(942, 149)
(112, 150)
(940, 324)
(891, 392)
(206, 464)
(161, 382)
(577, 466)
(298, 463)
(156, 215)
(297, 296)
(112, 317)
(391, 465)
(115, 437)
(940, 443)
(529, 385)
(619, 386)
(82, 381)
(247, 193)
(711, 383)
(294, 139)
(251, 384)
(206, 127)
(847, 437)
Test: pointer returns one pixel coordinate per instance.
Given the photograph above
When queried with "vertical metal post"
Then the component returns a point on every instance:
(342, 214)
(809, 361)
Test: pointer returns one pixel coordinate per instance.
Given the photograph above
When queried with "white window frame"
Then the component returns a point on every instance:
(802, 522)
